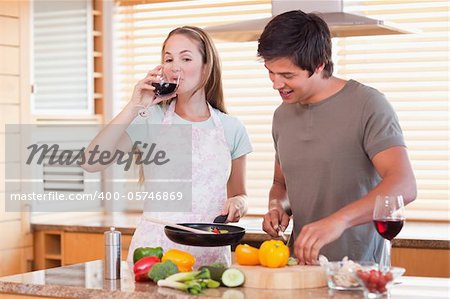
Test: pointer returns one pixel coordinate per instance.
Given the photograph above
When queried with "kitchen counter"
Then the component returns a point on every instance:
(413, 235)
(86, 281)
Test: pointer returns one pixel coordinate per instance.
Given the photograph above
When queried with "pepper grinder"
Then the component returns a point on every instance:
(113, 249)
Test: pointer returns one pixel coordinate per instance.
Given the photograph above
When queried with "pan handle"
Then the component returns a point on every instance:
(182, 227)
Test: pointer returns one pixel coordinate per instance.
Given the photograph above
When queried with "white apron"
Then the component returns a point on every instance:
(211, 166)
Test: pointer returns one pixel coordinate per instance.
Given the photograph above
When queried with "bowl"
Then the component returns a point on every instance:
(341, 277)
(375, 282)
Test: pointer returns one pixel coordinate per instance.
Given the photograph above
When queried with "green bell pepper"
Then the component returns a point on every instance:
(141, 252)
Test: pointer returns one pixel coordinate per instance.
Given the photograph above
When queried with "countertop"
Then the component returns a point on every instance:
(413, 235)
(86, 281)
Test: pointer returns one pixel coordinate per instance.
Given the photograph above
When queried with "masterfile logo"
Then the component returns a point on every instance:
(55, 168)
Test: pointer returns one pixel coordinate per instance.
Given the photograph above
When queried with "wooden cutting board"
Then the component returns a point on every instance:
(288, 277)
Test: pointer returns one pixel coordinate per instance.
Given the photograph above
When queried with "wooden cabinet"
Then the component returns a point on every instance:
(82, 247)
(97, 15)
(422, 261)
(59, 248)
(48, 249)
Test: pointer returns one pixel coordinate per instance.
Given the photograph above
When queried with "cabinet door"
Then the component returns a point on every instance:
(422, 261)
(83, 247)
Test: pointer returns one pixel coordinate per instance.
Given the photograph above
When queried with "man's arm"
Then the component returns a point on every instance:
(276, 216)
(397, 178)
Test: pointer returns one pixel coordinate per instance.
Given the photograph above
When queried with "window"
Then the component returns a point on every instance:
(412, 70)
(62, 64)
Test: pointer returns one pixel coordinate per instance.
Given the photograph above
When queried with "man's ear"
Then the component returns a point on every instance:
(320, 68)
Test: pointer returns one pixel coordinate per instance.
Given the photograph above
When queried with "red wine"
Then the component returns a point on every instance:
(388, 229)
(164, 88)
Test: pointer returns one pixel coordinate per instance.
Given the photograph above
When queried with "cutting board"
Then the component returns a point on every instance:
(288, 277)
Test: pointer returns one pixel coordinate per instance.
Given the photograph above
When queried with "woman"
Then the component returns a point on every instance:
(219, 141)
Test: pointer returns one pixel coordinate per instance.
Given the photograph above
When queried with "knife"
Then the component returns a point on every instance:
(281, 233)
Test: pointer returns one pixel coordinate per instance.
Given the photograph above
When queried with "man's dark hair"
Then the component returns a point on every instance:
(303, 38)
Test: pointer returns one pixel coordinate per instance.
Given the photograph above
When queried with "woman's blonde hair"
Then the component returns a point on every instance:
(212, 77)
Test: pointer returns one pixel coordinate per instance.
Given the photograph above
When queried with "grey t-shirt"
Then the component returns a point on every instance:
(325, 151)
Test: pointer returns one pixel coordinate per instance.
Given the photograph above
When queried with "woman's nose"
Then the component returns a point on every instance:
(174, 68)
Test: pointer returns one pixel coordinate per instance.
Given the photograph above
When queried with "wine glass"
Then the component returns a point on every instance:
(388, 217)
(168, 84)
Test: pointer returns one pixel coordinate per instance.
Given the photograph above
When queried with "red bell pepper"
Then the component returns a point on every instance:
(143, 266)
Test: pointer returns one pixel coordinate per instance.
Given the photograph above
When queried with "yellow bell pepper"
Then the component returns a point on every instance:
(184, 261)
(246, 255)
(273, 254)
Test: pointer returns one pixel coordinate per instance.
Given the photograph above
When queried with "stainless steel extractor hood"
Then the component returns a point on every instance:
(341, 24)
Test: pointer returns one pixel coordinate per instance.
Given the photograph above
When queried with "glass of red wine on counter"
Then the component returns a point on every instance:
(388, 217)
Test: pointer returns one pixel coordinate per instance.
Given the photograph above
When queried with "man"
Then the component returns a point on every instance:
(338, 145)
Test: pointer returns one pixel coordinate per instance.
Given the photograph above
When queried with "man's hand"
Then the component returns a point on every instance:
(314, 236)
(276, 219)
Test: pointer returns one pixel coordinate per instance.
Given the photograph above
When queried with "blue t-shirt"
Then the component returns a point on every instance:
(235, 132)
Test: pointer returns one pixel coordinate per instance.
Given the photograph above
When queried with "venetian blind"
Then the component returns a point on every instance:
(412, 70)
(62, 58)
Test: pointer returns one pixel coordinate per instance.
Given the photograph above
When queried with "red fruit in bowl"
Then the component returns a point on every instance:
(373, 277)
(381, 281)
(372, 287)
(376, 281)
(388, 276)
(363, 275)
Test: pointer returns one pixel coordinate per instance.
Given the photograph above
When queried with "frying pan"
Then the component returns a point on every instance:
(234, 235)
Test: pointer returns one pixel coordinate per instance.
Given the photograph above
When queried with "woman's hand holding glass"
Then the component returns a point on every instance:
(159, 85)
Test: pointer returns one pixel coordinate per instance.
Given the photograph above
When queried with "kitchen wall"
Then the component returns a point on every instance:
(16, 248)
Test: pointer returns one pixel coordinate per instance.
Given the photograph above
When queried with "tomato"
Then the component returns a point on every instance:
(388, 276)
(363, 275)
(381, 281)
(374, 280)
(247, 255)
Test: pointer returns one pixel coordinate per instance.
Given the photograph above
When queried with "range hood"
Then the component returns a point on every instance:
(341, 24)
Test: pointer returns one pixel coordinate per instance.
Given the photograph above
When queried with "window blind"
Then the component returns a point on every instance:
(62, 49)
(412, 70)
